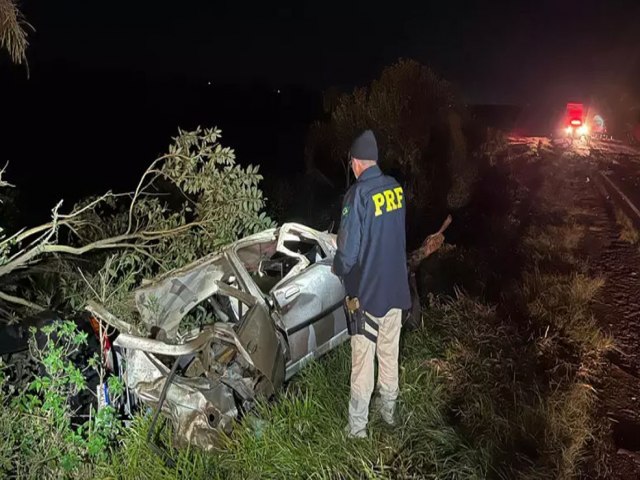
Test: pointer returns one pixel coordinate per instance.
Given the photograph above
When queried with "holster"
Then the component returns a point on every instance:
(357, 319)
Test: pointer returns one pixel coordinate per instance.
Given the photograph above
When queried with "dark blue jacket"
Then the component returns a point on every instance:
(371, 256)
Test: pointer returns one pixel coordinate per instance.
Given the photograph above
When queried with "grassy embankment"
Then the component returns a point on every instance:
(498, 390)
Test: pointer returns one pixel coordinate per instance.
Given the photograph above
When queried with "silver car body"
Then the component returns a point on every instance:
(240, 322)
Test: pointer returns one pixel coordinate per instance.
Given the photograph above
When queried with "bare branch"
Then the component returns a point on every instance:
(107, 244)
(430, 245)
(88, 284)
(20, 301)
(92, 205)
(49, 228)
(67, 220)
(151, 170)
(151, 257)
(145, 239)
(157, 234)
(4, 183)
(140, 188)
(102, 313)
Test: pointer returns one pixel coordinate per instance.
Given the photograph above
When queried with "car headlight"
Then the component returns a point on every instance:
(583, 130)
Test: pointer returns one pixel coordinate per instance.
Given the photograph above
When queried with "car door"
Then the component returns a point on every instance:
(309, 301)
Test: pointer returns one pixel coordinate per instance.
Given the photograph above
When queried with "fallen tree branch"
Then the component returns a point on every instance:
(139, 188)
(20, 301)
(430, 245)
(135, 241)
(99, 312)
(4, 183)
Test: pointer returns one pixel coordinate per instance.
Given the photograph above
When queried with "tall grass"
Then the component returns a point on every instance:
(487, 391)
(301, 434)
(628, 231)
(479, 399)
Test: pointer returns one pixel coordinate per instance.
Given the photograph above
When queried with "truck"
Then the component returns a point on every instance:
(575, 124)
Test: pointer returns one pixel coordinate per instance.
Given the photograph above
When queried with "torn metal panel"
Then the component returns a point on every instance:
(258, 334)
(225, 333)
(293, 232)
(165, 302)
(198, 408)
(311, 308)
(315, 354)
(159, 347)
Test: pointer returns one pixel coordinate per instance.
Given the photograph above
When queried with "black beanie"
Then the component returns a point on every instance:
(364, 147)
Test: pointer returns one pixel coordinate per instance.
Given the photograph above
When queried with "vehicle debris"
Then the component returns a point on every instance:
(233, 326)
(211, 338)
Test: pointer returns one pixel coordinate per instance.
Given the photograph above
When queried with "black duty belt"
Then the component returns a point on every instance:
(357, 319)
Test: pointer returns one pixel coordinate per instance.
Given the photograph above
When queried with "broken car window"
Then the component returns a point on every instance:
(268, 267)
(216, 308)
(165, 303)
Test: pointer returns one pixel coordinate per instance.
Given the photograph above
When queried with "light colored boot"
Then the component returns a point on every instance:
(362, 433)
(386, 408)
(358, 418)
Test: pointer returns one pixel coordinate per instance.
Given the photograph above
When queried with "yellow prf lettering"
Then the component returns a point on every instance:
(399, 195)
(391, 200)
(378, 201)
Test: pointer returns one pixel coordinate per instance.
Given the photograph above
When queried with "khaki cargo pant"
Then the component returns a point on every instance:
(363, 351)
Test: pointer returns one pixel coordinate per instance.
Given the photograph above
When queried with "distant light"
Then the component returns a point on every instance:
(278, 90)
(598, 121)
(208, 83)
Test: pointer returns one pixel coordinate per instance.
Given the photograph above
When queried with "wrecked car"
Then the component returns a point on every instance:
(231, 328)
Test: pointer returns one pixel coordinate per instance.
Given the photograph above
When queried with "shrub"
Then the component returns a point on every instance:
(188, 203)
(418, 123)
(42, 434)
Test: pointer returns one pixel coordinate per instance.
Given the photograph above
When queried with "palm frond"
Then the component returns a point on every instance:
(13, 31)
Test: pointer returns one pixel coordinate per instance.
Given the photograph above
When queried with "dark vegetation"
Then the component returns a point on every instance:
(495, 382)
(423, 134)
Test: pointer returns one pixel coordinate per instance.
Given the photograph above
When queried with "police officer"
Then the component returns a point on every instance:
(371, 260)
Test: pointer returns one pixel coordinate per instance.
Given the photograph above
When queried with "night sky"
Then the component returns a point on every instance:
(110, 82)
(500, 51)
